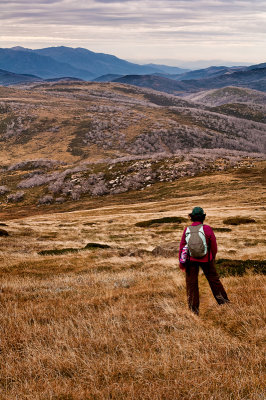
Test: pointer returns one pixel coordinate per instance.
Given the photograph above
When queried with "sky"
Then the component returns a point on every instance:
(169, 31)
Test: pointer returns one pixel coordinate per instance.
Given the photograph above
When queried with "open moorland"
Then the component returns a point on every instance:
(93, 306)
(66, 143)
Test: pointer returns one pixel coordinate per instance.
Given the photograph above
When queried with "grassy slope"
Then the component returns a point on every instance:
(52, 120)
(96, 325)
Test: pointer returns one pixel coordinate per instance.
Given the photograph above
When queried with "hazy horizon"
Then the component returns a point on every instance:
(188, 64)
(191, 30)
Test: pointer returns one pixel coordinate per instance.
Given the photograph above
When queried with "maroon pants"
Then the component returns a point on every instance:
(192, 272)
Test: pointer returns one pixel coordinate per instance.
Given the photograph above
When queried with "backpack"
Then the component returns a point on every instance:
(196, 241)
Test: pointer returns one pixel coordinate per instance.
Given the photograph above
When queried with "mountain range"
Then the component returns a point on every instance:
(53, 62)
(254, 78)
(20, 65)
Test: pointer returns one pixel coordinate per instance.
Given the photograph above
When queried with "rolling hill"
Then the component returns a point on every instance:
(253, 79)
(10, 78)
(217, 97)
(62, 141)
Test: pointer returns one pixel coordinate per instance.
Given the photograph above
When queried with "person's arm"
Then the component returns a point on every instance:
(182, 244)
(213, 244)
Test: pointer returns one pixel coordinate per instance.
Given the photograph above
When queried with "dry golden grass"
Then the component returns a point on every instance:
(96, 325)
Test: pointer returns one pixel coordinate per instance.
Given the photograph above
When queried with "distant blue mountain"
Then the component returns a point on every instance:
(107, 78)
(166, 69)
(56, 62)
(10, 78)
(26, 61)
(97, 63)
(209, 72)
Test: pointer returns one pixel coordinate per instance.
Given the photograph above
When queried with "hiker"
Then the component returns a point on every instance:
(198, 248)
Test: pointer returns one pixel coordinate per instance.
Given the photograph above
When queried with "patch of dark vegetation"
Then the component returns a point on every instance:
(78, 143)
(2, 224)
(254, 113)
(222, 229)
(158, 221)
(164, 100)
(227, 267)
(127, 90)
(89, 246)
(239, 220)
(58, 251)
(96, 246)
(3, 232)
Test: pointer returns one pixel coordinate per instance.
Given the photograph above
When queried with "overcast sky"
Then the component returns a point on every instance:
(141, 30)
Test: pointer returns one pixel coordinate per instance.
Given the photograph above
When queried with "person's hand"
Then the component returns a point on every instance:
(182, 267)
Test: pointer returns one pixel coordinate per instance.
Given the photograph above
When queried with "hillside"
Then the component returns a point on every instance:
(82, 322)
(62, 142)
(90, 121)
(230, 94)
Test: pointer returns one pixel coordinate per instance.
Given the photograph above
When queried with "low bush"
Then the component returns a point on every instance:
(3, 232)
(3, 190)
(238, 220)
(48, 199)
(165, 220)
(227, 267)
(15, 197)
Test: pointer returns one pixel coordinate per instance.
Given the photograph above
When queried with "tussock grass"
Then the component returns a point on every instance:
(126, 333)
(96, 325)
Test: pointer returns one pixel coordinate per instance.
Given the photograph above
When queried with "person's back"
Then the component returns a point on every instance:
(192, 236)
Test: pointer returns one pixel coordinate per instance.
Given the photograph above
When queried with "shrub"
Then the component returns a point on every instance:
(15, 197)
(3, 190)
(3, 232)
(238, 220)
(60, 200)
(99, 189)
(165, 220)
(48, 199)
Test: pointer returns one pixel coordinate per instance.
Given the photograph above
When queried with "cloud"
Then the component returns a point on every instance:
(131, 25)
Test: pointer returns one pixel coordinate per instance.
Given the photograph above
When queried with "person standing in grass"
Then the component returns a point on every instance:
(199, 245)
